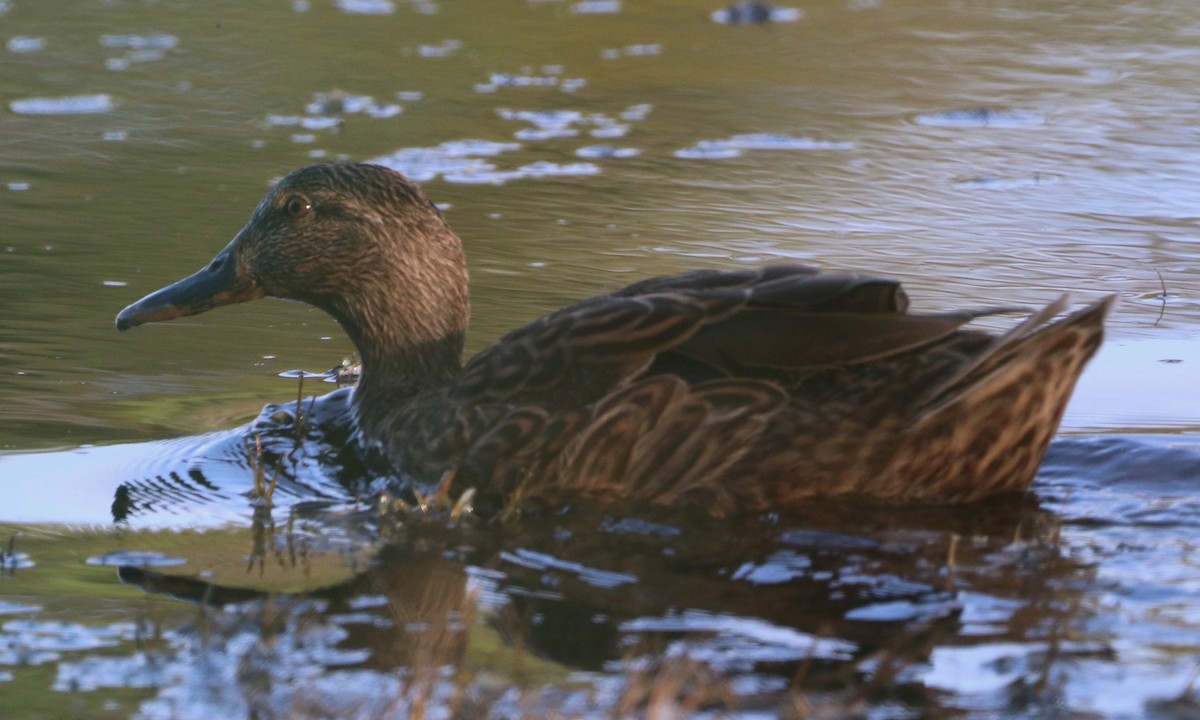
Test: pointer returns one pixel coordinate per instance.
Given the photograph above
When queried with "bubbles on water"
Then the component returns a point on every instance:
(66, 105)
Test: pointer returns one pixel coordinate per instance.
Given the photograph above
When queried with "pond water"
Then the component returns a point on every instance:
(985, 152)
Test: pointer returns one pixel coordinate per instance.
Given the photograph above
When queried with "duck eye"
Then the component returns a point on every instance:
(298, 208)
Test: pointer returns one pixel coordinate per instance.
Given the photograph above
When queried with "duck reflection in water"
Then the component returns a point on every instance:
(829, 606)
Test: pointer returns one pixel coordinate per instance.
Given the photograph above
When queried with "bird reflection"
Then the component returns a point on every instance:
(833, 604)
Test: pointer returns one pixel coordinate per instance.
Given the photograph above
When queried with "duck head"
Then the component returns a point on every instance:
(358, 241)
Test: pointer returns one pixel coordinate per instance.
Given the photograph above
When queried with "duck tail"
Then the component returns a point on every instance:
(1002, 409)
(1076, 337)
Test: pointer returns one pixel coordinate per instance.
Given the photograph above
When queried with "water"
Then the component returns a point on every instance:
(987, 153)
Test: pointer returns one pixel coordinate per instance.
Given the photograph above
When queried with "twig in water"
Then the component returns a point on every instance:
(299, 426)
(1163, 310)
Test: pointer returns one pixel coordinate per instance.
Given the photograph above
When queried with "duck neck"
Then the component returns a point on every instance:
(396, 371)
(405, 371)
(410, 339)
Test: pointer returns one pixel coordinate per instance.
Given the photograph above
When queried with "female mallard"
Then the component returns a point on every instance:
(735, 389)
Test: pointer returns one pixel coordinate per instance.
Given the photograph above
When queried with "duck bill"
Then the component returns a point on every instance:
(218, 283)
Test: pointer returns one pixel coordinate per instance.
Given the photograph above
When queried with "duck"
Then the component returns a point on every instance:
(727, 390)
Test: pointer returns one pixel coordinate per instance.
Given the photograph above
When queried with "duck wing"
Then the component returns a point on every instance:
(701, 326)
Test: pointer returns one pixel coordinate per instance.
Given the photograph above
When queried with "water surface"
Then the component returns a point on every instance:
(986, 153)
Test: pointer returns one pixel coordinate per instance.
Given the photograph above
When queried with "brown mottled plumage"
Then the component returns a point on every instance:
(740, 389)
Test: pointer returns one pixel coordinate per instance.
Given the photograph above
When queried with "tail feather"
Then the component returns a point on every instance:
(1033, 329)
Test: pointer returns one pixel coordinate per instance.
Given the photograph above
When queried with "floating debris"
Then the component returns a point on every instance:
(983, 117)
(755, 12)
(993, 182)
